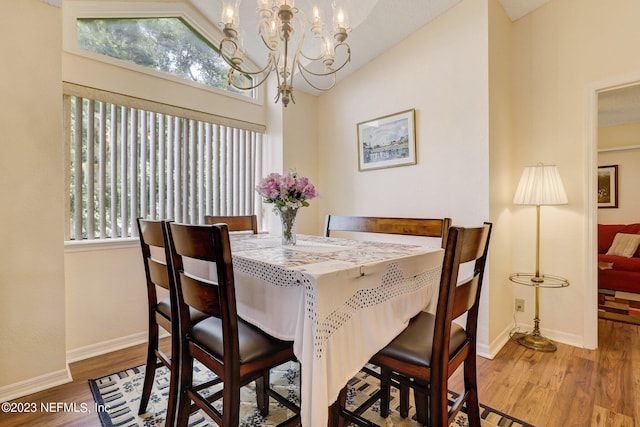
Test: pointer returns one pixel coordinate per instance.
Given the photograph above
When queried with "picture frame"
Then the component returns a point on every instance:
(388, 141)
(608, 186)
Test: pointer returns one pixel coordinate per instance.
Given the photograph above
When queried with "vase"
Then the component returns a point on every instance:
(288, 219)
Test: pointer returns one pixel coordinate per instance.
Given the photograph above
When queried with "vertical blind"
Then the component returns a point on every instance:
(127, 162)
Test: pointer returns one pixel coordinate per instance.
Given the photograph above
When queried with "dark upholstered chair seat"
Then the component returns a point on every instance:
(164, 308)
(253, 344)
(415, 344)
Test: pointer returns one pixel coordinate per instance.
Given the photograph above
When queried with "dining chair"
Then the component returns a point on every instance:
(160, 312)
(235, 351)
(433, 346)
(235, 222)
(428, 227)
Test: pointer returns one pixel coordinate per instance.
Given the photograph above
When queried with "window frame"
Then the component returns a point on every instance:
(74, 10)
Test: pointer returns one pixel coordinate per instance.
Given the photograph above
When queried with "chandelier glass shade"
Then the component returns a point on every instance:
(282, 28)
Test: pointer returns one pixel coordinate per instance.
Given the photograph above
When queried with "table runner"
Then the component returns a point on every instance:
(339, 300)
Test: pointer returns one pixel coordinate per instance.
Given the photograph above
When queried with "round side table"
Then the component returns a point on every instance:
(534, 340)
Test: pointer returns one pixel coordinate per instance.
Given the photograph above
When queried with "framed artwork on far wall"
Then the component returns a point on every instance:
(608, 186)
(387, 141)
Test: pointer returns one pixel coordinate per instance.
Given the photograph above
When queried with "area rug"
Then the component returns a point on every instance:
(619, 306)
(119, 395)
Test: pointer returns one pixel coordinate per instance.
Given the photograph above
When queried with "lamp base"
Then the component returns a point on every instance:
(537, 342)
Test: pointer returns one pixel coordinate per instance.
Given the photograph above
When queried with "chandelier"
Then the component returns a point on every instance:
(281, 28)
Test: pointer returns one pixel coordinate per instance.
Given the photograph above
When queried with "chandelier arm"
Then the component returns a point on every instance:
(230, 81)
(266, 69)
(306, 79)
(310, 58)
(332, 70)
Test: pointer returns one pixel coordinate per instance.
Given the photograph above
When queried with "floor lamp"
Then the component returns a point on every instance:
(539, 185)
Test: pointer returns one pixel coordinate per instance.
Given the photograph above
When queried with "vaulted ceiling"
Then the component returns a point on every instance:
(381, 24)
(377, 25)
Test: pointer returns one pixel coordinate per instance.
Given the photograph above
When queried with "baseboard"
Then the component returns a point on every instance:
(490, 351)
(63, 376)
(564, 338)
(34, 385)
(556, 336)
(104, 347)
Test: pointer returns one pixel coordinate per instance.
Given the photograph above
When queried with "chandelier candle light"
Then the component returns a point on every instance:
(282, 30)
(288, 193)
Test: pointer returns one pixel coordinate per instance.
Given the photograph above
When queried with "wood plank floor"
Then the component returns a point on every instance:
(571, 387)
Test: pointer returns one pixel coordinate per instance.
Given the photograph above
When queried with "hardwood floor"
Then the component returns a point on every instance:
(571, 387)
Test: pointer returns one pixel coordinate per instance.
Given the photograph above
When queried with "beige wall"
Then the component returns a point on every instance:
(301, 153)
(106, 298)
(619, 136)
(442, 72)
(561, 51)
(32, 341)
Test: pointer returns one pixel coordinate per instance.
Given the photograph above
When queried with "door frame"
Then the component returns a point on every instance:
(591, 203)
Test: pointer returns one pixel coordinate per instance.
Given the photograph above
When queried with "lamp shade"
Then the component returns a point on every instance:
(540, 185)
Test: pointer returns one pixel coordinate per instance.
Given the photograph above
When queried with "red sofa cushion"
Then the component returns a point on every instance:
(606, 233)
(621, 263)
(626, 281)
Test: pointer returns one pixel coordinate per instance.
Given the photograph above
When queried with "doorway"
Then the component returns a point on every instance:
(616, 102)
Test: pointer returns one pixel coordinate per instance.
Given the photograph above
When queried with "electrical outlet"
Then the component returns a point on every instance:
(519, 304)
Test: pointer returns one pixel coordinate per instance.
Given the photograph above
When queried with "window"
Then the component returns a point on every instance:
(165, 44)
(126, 162)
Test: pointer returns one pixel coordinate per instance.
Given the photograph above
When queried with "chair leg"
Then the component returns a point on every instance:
(150, 369)
(385, 391)
(404, 400)
(231, 403)
(471, 384)
(262, 394)
(184, 379)
(173, 379)
(438, 403)
(335, 420)
(422, 402)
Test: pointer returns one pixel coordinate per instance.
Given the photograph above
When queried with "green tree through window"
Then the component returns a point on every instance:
(168, 45)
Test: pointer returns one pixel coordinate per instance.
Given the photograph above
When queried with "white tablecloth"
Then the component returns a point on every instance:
(339, 300)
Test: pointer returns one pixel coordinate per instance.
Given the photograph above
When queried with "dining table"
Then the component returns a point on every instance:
(339, 300)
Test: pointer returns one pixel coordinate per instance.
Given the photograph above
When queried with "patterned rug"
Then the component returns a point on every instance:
(619, 306)
(119, 394)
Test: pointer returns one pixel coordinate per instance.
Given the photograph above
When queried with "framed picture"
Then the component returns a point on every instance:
(387, 141)
(608, 186)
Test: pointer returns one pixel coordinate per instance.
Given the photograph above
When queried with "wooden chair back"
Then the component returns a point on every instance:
(158, 273)
(235, 223)
(427, 227)
(156, 270)
(214, 297)
(458, 296)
